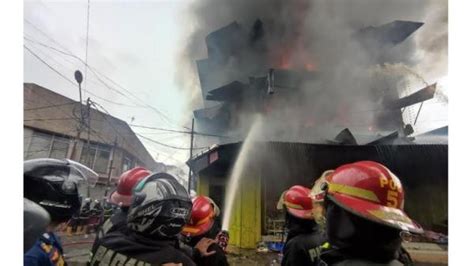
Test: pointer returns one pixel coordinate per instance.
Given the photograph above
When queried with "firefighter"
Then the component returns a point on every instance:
(304, 237)
(97, 208)
(86, 207)
(159, 209)
(204, 226)
(54, 185)
(365, 218)
(122, 197)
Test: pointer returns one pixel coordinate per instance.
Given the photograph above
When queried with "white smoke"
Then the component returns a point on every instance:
(321, 33)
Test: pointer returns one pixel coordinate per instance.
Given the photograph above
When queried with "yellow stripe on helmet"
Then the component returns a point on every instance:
(292, 205)
(390, 215)
(353, 191)
(188, 229)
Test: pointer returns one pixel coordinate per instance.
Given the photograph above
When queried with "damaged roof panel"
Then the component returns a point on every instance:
(391, 33)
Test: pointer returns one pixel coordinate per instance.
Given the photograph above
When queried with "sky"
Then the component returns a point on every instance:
(136, 44)
(133, 43)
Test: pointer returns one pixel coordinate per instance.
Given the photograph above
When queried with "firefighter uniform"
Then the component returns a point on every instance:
(204, 223)
(304, 237)
(117, 248)
(303, 249)
(117, 222)
(159, 210)
(47, 251)
(217, 259)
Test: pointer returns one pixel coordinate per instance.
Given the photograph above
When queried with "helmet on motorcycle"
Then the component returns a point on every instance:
(298, 202)
(160, 207)
(54, 185)
(371, 191)
(203, 216)
(123, 194)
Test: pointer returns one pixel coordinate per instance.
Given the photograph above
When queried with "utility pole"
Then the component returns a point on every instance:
(88, 138)
(190, 179)
(78, 78)
(111, 166)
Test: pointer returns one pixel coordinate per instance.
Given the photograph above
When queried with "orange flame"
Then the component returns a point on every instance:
(310, 67)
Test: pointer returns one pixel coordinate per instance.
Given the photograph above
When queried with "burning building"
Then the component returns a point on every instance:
(318, 112)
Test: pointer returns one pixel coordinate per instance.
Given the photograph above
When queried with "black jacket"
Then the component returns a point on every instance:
(333, 256)
(302, 249)
(117, 222)
(117, 248)
(303, 243)
(217, 259)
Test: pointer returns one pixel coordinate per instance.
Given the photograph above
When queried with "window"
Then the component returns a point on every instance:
(97, 157)
(127, 162)
(59, 148)
(45, 145)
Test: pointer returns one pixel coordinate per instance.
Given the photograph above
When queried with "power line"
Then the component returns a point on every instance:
(87, 67)
(179, 131)
(167, 145)
(48, 65)
(47, 106)
(97, 134)
(65, 111)
(78, 58)
(152, 140)
(67, 59)
(97, 105)
(46, 35)
(97, 73)
(59, 73)
(93, 94)
(146, 138)
(147, 105)
(159, 133)
(108, 122)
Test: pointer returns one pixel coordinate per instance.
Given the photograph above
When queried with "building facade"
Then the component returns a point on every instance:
(52, 129)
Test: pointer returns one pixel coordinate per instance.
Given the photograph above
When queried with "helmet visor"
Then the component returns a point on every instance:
(389, 216)
(65, 170)
(81, 174)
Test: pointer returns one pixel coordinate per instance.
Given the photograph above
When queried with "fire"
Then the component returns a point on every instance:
(292, 50)
(285, 64)
(293, 58)
(282, 58)
(310, 67)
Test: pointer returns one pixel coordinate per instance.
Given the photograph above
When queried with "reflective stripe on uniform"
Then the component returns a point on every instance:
(104, 256)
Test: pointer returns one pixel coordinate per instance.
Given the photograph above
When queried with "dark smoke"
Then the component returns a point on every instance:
(319, 34)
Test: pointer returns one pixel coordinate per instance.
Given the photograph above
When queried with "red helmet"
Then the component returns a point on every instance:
(123, 194)
(371, 191)
(298, 202)
(202, 217)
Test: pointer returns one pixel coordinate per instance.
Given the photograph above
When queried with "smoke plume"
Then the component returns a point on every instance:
(318, 36)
